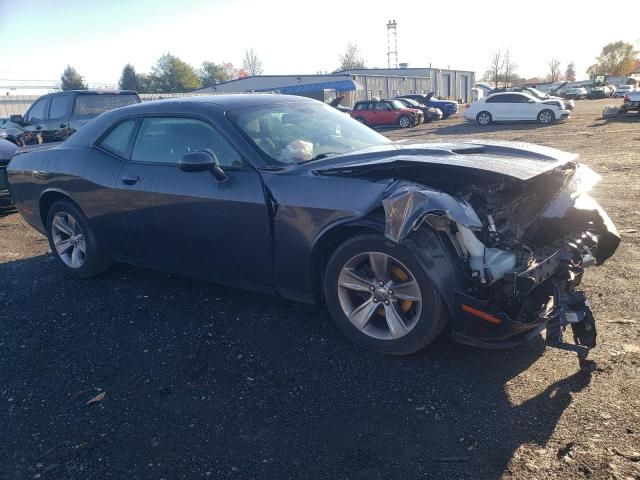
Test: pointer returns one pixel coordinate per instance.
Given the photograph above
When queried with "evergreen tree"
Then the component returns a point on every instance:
(128, 79)
(72, 80)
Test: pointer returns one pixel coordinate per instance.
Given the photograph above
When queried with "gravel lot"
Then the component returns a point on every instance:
(202, 381)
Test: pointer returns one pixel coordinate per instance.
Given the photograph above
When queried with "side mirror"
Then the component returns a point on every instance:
(17, 119)
(200, 162)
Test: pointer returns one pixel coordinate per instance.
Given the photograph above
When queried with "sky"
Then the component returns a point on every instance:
(40, 37)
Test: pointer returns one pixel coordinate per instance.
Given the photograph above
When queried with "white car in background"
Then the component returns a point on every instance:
(515, 106)
(622, 90)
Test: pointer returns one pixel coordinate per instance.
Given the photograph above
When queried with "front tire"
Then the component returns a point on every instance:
(546, 117)
(73, 243)
(380, 296)
(405, 122)
(484, 119)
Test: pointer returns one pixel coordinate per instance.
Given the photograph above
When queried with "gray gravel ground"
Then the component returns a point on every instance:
(203, 381)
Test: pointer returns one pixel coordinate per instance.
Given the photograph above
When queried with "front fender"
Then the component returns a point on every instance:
(408, 203)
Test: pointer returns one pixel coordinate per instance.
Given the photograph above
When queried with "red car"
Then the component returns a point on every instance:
(386, 112)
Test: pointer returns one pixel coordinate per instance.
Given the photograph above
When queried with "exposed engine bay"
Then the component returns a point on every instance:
(521, 246)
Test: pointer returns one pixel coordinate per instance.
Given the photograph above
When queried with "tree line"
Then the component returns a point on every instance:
(616, 59)
(170, 74)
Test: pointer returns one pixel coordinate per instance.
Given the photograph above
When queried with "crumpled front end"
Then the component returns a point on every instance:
(519, 250)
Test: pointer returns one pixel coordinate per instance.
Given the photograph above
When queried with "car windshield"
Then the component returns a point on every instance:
(411, 102)
(396, 104)
(536, 93)
(294, 133)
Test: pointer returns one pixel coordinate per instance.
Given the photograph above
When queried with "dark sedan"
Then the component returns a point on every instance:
(7, 151)
(288, 196)
(430, 113)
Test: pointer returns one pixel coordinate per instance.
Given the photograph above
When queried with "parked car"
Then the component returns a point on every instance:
(7, 151)
(631, 101)
(575, 93)
(386, 112)
(622, 90)
(286, 195)
(595, 93)
(55, 117)
(515, 106)
(448, 107)
(430, 113)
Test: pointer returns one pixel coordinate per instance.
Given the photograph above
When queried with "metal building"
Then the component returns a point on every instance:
(446, 83)
(357, 85)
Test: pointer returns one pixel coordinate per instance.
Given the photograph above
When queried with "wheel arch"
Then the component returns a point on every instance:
(48, 198)
(428, 245)
(331, 238)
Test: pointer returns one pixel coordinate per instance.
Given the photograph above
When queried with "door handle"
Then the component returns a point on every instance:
(63, 125)
(130, 179)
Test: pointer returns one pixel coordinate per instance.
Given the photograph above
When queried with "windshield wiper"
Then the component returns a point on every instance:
(320, 156)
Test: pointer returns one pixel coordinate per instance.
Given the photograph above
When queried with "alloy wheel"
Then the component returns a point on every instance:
(404, 122)
(379, 295)
(68, 240)
(546, 117)
(484, 119)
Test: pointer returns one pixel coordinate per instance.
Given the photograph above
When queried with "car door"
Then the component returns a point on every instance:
(189, 221)
(56, 126)
(522, 107)
(34, 123)
(385, 115)
(497, 106)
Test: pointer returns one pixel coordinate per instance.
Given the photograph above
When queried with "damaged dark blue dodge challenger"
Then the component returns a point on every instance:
(288, 196)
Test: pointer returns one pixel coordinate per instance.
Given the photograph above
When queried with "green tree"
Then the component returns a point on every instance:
(172, 75)
(616, 59)
(351, 58)
(252, 63)
(72, 80)
(145, 83)
(211, 73)
(129, 78)
(570, 73)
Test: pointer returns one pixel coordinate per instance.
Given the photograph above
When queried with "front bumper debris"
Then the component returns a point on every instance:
(543, 296)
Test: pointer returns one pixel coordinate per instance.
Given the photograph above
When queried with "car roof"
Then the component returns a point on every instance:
(237, 100)
(205, 104)
(510, 93)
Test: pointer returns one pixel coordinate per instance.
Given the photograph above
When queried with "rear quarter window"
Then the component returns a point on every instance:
(94, 105)
(119, 140)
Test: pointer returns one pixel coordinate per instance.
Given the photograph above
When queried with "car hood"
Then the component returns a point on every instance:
(517, 160)
(436, 101)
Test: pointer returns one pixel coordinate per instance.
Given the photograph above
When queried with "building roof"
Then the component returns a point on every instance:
(341, 85)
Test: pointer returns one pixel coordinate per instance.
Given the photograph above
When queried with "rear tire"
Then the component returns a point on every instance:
(73, 243)
(375, 316)
(545, 117)
(484, 119)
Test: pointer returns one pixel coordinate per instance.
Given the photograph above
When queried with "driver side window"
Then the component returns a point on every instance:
(36, 112)
(164, 140)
